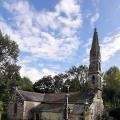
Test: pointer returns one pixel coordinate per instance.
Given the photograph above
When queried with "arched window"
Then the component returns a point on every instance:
(15, 108)
(93, 79)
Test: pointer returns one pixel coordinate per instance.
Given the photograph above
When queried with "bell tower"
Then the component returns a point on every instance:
(94, 74)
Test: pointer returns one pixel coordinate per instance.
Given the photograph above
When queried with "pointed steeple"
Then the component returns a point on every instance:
(95, 48)
(95, 63)
(95, 43)
(95, 57)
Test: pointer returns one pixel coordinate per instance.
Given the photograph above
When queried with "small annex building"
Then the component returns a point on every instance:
(86, 105)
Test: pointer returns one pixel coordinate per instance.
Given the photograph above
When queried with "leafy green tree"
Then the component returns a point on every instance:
(8, 53)
(74, 85)
(9, 71)
(59, 82)
(112, 87)
(1, 107)
(44, 85)
(77, 77)
(115, 113)
(26, 84)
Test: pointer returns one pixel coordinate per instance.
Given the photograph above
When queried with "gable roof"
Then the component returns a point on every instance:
(31, 96)
(56, 97)
(54, 102)
(52, 97)
(47, 107)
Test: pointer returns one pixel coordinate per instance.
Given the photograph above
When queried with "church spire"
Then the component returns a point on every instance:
(95, 42)
(95, 57)
(95, 63)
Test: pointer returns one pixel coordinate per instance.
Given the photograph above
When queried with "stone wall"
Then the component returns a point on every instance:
(49, 115)
(96, 108)
(15, 116)
(28, 105)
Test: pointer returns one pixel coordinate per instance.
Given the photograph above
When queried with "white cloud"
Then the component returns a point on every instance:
(46, 71)
(49, 35)
(45, 34)
(68, 7)
(96, 3)
(110, 46)
(87, 47)
(94, 18)
(34, 74)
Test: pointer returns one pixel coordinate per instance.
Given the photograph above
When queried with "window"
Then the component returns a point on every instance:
(93, 79)
(37, 116)
(99, 66)
(15, 108)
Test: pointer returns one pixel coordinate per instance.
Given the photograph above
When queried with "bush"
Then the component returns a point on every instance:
(115, 113)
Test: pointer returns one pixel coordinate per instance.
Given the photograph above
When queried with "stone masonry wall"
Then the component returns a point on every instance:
(28, 105)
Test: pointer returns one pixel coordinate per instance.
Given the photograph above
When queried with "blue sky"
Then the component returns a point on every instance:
(54, 35)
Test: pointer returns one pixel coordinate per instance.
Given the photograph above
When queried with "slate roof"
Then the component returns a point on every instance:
(48, 107)
(54, 102)
(60, 97)
(52, 97)
(31, 96)
(59, 108)
(57, 97)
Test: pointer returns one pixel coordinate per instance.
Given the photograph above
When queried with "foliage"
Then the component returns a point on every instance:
(111, 92)
(44, 85)
(58, 82)
(115, 113)
(74, 85)
(26, 84)
(9, 70)
(75, 77)
(1, 106)
(112, 87)
(8, 54)
(80, 73)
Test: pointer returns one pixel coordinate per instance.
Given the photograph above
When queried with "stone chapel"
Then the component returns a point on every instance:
(88, 105)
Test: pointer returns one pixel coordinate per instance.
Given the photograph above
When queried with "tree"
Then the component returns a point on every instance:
(8, 53)
(75, 85)
(26, 84)
(80, 73)
(111, 89)
(115, 113)
(59, 82)
(9, 71)
(1, 107)
(77, 77)
(44, 85)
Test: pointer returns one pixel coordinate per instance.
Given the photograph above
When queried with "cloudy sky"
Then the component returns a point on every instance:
(54, 35)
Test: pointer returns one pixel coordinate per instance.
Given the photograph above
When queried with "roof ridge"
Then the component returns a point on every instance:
(20, 94)
(30, 92)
